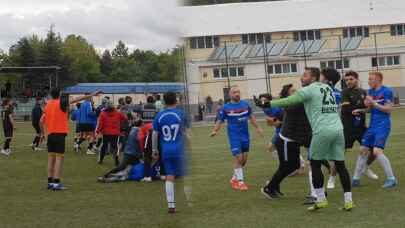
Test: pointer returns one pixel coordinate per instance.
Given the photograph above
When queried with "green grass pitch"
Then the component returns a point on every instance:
(24, 201)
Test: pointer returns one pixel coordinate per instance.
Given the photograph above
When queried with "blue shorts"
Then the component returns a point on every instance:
(375, 138)
(174, 166)
(275, 138)
(239, 146)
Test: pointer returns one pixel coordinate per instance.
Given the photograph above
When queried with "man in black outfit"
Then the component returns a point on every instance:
(355, 124)
(295, 132)
(35, 118)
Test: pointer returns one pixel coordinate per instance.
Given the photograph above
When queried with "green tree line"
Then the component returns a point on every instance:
(80, 61)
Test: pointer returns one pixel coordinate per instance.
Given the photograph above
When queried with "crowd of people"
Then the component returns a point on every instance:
(321, 119)
(146, 141)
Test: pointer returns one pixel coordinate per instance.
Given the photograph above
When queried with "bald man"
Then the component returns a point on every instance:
(237, 113)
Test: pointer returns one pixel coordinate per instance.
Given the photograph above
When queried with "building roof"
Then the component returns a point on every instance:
(280, 16)
(125, 88)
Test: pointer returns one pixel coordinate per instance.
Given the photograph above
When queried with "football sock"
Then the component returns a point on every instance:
(348, 197)
(313, 193)
(302, 162)
(320, 194)
(99, 141)
(80, 140)
(7, 144)
(91, 144)
(239, 174)
(170, 194)
(56, 180)
(50, 180)
(385, 163)
(344, 176)
(360, 166)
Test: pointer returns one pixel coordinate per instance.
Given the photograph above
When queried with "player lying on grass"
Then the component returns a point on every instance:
(379, 102)
(237, 112)
(132, 153)
(327, 132)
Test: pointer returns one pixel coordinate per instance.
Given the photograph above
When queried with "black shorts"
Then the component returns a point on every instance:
(84, 127)
(352, 137)
(8, 132)
(56, 143)
(37, 128)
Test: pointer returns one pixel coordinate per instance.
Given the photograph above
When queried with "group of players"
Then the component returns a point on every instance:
(164, 130)
(311, 117)
(323, 120)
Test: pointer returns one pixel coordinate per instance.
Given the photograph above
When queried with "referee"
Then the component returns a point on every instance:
(295, 132)
(355, 125)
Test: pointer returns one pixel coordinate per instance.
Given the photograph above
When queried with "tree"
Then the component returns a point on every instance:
(51, 51)
(3, 58)
(81, 59)
(106, 63)
(120, 50)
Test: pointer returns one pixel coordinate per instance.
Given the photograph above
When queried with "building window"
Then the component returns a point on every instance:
(204, 42)
(256, 38)
(385, 61)
(398, 30)
(285, 68)
(217, 74)
(336, 64)
(241, 71)
(233, 72)
(307, 35)
(356, 31)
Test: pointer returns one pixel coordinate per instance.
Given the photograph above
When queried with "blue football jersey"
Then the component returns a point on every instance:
(274, 112)
(382, 96)
(170, 124)
(237, 115)
(338, 95)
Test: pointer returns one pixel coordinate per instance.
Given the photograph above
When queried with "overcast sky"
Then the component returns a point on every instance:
(145, 24)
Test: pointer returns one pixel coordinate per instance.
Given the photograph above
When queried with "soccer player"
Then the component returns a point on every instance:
(169, 130)
(354, 124)
(87, 121)
(55, 121)
(35, 118)
(295, 132)
(237, 112)
(132, 153)
(148, 114)
(327, 132)
(379, 101)
(8, 125)
(274, 117)
(109, 125)
(78, 137)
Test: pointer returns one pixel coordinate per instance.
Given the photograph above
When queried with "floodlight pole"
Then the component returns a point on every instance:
(265, 65)
(227, 65)
(305, 56)
(342, 84)
(376, 50)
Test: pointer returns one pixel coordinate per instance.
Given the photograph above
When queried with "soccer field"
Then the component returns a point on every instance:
(26, 203)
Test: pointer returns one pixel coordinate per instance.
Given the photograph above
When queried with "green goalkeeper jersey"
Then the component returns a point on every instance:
(320, 106)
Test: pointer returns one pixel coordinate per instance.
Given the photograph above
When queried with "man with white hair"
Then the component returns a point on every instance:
(237, 112)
